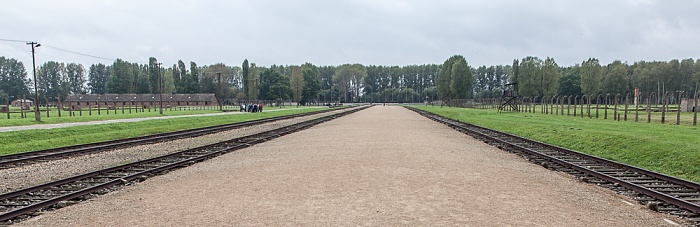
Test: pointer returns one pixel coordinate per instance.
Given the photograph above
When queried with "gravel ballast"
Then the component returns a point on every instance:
(26, 176)
(382, 166)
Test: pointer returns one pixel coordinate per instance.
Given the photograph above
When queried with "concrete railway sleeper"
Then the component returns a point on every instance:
(19, 205)
(28, 158)
(658, 191)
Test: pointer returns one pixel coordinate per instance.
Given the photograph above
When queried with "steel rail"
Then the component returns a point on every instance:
(681, 193)
(14, 204)
(26, 158)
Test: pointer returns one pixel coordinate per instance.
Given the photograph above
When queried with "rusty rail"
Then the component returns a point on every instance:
(661, 192)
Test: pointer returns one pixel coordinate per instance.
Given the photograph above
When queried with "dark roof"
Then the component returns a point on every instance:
(201, 97)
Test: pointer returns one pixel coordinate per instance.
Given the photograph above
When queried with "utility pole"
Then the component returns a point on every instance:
(160, 87)
(218, 76)
(37, 115)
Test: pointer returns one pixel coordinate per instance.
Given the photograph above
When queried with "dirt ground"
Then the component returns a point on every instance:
(382, 166)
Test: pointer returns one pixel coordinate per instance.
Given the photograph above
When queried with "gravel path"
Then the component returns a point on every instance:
(25, 176)
(383, 166)
(64, 125)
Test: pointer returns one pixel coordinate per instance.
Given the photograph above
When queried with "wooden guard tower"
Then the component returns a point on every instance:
(509, 100)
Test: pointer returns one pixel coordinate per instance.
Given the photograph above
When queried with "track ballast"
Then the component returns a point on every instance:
(658, 191)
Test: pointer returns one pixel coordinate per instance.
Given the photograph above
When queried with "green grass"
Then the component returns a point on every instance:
(669, 149)
(53, 118)
(39, 139)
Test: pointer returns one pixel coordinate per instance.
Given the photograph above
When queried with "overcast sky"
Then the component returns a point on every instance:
(370, 32)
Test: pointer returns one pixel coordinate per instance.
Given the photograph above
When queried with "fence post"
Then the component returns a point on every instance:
(588, 106)
(555, 105)
(575, 100)
(636, 107)
(678, 115)
(21, 107)
(664, 108)
(48, 110)
(562, 101)
(649, 107)
(695, 109)
(606, 105)
(8, 106)
(617, 97)
(58, 106)
(582, 104)
(568, 105)
(627, 104)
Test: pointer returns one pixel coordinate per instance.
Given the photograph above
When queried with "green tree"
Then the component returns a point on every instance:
(97, 78)
(254, 79)
(348, 81)
(515, 73)
(616, 81)
(182, 87)
(142, 87)
(550, 77)
(176, 78)
(245, 74)
(696, 75)
(152, 76)
(530, 76)
(75, 74)
(121, 78)
(168, 81)
(52, 80)
(194, 83)
(570, 81)
(13, 78)
(686, 69)
(312, 84)
(462, 80)
(444, 78)
(591, 76)
(274, 86)
(297, 83)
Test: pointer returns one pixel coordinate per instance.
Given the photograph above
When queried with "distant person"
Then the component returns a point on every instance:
(261, 106)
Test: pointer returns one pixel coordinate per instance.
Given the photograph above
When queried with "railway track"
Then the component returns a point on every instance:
(19, 205)
(28, 158)
(658, 191)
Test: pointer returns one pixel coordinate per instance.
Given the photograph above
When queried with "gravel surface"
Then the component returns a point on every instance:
(23, 177)
(383, 166)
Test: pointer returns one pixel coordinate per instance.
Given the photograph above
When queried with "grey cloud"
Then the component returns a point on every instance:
(363, 31)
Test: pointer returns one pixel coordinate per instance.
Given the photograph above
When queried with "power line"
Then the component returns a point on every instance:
(13, 40)
(78, 53)
(69, 51)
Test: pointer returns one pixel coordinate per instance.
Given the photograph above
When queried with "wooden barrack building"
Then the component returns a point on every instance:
(79, 101)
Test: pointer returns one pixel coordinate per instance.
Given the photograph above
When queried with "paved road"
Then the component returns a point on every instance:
(384, 166)
(63, 125)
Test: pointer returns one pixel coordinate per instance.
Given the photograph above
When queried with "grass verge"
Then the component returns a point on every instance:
(39, 139)
(15, 119)
(669, 149)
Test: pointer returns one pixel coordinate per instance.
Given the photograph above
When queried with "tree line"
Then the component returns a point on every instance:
(453, 79)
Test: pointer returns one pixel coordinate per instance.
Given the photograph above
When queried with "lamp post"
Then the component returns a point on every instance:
(37, 115)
